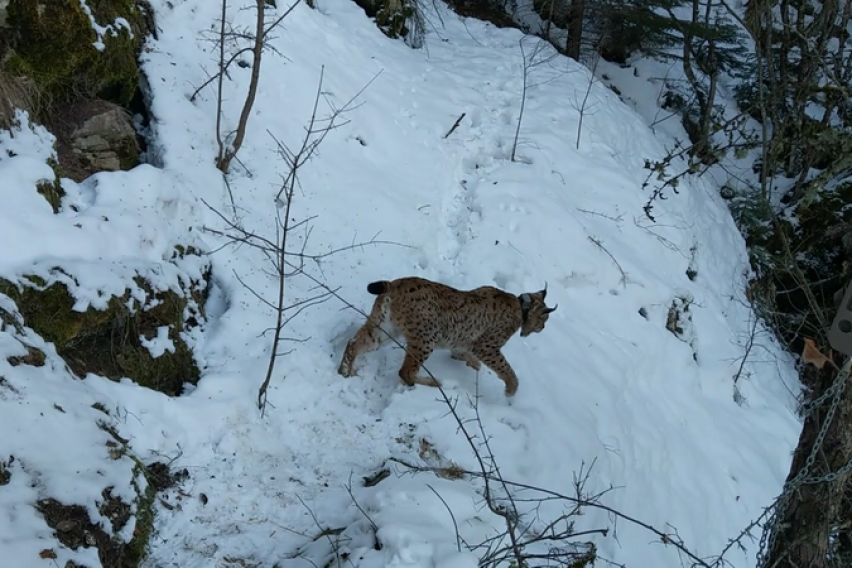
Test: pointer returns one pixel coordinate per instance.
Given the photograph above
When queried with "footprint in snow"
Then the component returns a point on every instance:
(515, 425)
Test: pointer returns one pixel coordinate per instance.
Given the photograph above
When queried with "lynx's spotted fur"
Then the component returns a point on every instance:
(474, 325)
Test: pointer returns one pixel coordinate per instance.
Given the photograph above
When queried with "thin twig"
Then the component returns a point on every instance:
(452, 516)
(455, 125)
(582, 109)
(598, 243)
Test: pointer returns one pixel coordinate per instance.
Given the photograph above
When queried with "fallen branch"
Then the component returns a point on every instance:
(455, 125)
(598, 243)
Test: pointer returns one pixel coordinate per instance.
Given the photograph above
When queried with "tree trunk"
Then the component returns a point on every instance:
(812, 529)
(575, 28)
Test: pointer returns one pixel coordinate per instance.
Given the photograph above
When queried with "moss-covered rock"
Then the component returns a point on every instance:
(53, 42)
(74, 528)
(111, 342)
(391, 16)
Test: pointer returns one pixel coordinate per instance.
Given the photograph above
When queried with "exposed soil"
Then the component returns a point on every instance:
(73, 527)
(34, 357)
(160, 477)
(5, 474)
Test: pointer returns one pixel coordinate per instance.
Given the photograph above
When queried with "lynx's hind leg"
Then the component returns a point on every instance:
(369, 337)
(415, 355)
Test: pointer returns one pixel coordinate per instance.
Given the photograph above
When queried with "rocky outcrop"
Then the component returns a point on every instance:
(139, 335)
(106, 140)
(79, 62)
(94, 136)
(72, 55)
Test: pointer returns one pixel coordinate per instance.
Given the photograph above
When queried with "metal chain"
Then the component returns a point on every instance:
(772, 525)
(829, 477)
(810, 407)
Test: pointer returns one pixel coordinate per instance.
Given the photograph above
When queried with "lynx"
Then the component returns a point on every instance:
(474, 325)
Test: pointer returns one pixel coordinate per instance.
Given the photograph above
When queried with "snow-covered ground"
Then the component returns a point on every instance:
(605, 382)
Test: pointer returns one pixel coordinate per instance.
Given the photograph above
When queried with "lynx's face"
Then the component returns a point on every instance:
(537, 312)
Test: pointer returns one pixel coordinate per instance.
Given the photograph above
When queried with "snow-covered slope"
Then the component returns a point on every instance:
(605, 382)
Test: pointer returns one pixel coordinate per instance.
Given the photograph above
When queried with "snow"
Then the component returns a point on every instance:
(654, 412)
(53, 447)
(159, 344)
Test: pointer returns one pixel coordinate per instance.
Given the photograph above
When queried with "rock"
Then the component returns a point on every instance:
(115, 342)
(67, 525)
(106, 140)
(94, 136)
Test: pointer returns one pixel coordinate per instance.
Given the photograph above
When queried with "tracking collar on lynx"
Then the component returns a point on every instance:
(474, 325)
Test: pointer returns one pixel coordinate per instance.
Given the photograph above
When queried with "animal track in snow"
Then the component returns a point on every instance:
(491, 124)
(455, 215)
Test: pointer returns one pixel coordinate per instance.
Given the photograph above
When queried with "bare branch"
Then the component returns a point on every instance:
(455, 125)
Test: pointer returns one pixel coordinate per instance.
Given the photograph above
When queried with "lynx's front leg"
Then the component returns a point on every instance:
(495, 361)
(368, 338)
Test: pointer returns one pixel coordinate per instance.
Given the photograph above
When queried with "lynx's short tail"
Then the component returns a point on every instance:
(379, 287)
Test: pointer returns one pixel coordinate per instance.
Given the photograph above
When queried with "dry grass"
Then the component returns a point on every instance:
(16, 93)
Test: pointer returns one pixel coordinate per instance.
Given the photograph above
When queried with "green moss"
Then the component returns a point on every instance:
(52, 190)
(36, 280)
(10, 320)
(48, 311)
(52, 43)
(78, 529)
(107, 342)
(137, 548)
(128, 155)
(182, 251)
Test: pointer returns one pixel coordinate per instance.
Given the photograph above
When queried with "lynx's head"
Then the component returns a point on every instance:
(534, 311)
